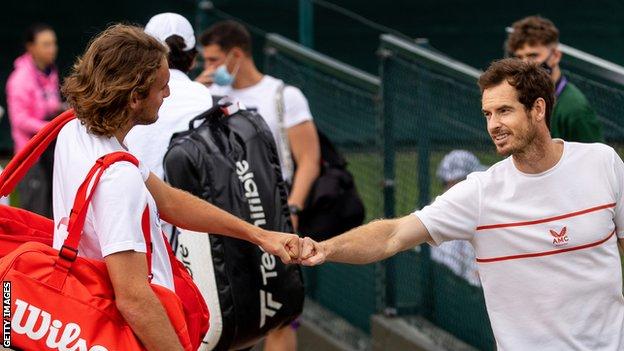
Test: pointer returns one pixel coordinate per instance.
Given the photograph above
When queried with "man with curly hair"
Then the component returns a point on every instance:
(120, 82)
(536, 39)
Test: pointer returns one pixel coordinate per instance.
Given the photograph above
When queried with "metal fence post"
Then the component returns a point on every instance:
(387, 122)
(306, 23)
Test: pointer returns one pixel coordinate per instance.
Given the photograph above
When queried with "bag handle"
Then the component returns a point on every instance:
(23, 161)
(69, 251)
(79, 210)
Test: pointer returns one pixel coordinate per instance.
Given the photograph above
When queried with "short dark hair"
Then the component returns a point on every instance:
(532, 30)
(178, 58)
(227, 34)
(31, 32)
(530, 80)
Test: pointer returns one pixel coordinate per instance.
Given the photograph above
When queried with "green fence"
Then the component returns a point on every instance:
(431, 106)
(345, 105)
(602, 82)
(395, 131)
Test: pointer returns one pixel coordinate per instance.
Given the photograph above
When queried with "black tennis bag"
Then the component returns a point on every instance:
(230, 159)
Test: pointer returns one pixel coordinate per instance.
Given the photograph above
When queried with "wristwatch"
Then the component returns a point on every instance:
(294, 209)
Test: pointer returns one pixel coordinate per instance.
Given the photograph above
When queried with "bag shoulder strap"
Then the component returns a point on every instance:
(26, 158)
(280, 107)
(78, 214)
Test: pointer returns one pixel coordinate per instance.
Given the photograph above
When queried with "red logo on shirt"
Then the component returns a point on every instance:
(561, 238)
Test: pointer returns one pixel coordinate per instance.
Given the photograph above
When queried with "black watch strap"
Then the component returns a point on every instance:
(294, 209)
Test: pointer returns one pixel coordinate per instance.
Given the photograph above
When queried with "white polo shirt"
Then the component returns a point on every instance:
(546, 245)
(113, 221)
(262, 98)
(188, 99)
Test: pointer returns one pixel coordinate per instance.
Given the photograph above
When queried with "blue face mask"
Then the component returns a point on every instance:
(222, 77)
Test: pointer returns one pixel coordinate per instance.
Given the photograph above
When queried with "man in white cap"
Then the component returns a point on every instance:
(188, 99)
(458, 255)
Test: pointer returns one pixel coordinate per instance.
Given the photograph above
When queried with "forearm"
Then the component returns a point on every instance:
(192, 213)
(365, 244)
(303, 179)
(148, 320)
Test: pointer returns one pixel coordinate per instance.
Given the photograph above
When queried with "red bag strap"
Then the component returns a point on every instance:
(21, 163)
(78, 215)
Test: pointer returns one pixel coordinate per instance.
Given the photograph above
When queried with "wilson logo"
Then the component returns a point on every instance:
(59, 337)
(560, 238)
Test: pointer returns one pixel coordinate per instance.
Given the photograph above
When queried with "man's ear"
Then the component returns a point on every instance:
(539, 109)
(237, 53)
(556, 56)
(135, 102)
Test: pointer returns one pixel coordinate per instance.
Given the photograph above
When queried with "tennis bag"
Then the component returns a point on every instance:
(59, 301)
(230, 160)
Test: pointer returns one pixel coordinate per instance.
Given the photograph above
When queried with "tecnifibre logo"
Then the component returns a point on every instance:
(268, 307)
(6, 314)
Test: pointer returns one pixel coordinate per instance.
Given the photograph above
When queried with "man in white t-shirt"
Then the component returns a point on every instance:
(544, 223)
(230, 71)
(120, 82)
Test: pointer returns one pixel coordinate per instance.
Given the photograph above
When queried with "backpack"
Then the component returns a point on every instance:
(333, 205)
(230, 160)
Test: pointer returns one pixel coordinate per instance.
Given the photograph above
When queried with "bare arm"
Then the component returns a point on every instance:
(306, 152)
(189, 212)
(371, 242)
(137, 302)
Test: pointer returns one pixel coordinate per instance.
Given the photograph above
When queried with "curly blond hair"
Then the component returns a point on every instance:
(119, 61)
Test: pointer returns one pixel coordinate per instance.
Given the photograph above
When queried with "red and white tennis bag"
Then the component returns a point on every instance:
(59, 301)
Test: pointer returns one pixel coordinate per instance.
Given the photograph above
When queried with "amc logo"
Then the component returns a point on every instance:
(560, 238)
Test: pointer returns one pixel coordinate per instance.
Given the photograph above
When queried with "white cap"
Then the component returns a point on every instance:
(164, 25)
(457, 165)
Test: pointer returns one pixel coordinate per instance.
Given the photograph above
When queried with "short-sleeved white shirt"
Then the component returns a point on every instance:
(113, 222)
(187, 99)
(262, 98)
(546, 246)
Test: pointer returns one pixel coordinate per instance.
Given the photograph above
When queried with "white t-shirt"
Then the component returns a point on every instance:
(546, 247)
(187, 100)
(113, 222)
(262, 98)
(3, 200)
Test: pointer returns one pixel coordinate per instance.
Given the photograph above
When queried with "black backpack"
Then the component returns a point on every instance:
(333, 205)
(230, 160)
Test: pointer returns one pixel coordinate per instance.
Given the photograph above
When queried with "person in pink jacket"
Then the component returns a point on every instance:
(33, 98)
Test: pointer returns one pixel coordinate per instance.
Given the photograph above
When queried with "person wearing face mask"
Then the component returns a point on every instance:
(230, 71)
(536, 39)
(33, 98)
